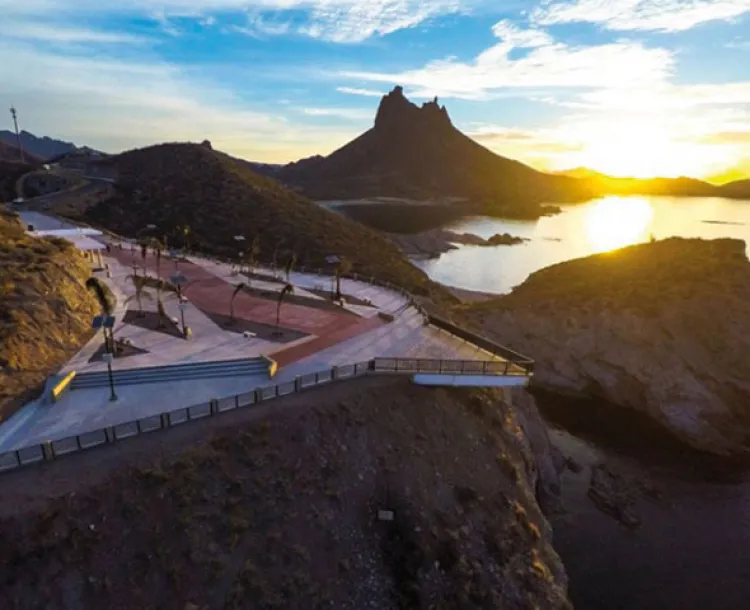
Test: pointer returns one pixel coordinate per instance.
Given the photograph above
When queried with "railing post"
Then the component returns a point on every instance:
(507, 366)
(138, 425)
(297, 384)
(484, 368)
(18, 458)
(258, 396)
(317, 378)
(334, 373)
(237, 401)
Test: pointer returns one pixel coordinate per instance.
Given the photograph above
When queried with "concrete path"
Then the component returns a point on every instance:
(329, 338)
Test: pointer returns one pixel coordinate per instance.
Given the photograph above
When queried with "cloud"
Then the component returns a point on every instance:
(342, 21)
(347, 21)
(516, 37)
(61, 33)
(627, 15)
(260, 26)
(728, 137)
(350, 114)
(548, 64)
(364, 92)
(114, 104)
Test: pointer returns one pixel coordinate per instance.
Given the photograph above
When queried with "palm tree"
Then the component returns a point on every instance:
(105, 305)
(139, 283)
(342, 268)
(240, 288)
(290, 266)
(288, 289)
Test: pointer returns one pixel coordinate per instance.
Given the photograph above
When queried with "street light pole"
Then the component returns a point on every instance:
(112, 396)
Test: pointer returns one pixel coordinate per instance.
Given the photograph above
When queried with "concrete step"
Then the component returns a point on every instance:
(179, 372)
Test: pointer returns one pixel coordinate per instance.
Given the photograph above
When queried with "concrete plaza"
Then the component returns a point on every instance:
(320, 336)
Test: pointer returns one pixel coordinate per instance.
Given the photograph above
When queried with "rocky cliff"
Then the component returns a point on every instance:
(663, 328)
(371, 494)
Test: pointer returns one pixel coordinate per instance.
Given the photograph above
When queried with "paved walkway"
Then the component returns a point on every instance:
(329, 337)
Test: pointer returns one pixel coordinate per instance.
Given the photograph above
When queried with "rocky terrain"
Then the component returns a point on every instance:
(45, 310)
(416, 152)
(201, 199)
(40, 147)
(370, 494)
(431, 244)
(662, 328)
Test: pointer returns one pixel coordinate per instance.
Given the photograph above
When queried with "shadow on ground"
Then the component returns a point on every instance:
(262, 331)
(149, 320)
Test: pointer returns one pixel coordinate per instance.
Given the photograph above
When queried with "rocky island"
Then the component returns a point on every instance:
(663, 328)
(431, 244)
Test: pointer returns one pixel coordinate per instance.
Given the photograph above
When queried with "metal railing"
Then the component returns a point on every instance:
(51, 450)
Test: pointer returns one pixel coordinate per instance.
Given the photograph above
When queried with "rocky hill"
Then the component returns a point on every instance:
(416, 152)
(739, 189)
(173, 186)
(279, 507)
(9, 153)
(45, 310)
(41, 147)
(662, 328)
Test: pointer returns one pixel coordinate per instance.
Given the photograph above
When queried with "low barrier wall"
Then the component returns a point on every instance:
(51, 450)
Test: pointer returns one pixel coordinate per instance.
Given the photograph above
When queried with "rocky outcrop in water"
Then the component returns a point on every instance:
(663, 328)
(432, 244)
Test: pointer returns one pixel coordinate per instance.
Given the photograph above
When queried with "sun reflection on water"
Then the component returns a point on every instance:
(616, 222)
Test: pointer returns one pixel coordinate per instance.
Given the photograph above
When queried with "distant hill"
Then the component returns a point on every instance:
(739, 189)
(264, 169)
(9, 152)
(42, 147)
(416, 152)
(675, 187)
(173, 185)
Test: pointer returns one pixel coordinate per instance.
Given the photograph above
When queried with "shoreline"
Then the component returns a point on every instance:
(471, 296)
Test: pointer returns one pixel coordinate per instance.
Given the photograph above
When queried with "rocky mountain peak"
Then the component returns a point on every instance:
(397, 112)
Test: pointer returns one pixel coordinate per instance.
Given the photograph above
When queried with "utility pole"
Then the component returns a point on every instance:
(18, 134)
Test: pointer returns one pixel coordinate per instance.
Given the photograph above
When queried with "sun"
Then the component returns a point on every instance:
(616, 222)
(643, 150)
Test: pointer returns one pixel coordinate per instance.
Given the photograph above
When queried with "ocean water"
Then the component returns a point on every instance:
(581, 230)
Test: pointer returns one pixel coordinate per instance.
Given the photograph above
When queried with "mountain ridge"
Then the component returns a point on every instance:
(43, 147)
(416, 152)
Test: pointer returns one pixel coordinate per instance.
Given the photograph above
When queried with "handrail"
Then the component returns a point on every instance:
(51, 450)
(512, 364)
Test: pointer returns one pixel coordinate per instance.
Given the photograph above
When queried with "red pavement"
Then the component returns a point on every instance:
(212, 294)
(308, 348)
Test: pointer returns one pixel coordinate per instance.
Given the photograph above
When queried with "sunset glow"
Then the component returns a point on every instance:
(616, 222)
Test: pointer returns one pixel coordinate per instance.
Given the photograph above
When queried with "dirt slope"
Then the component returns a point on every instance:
(45, 310)
(279, 510)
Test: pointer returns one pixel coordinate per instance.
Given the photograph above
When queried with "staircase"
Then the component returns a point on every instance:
(179, 372)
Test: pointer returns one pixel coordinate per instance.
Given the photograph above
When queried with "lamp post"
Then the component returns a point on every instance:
(106, 323)
(240, 239)
(108, 357)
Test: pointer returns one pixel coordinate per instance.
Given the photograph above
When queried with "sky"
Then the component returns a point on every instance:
(629, 87)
